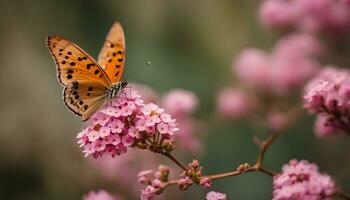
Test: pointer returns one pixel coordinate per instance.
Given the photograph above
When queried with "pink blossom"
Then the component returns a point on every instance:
(322, 129)
(148, 94)
(179, 102)
(216, 196)
(149, 193)
(112, 133)
(184, 183)
(205, 182)
(145, 177)
(252, 66)
(187, 138)
(302, 180)
(328, 94)
(277, 120)
(298, 45)
(272, 72)
(234, 103)
(278, 14)
(154, 182)
(100, 195)
(306, 15)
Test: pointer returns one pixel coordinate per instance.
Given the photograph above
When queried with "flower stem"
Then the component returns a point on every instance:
(342, 195)
(264, 145)
(171, 157)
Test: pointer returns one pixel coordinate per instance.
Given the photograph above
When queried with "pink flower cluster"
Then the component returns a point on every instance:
(192, 175)
(127, 122)
(234, 104)
(153, 182)
(216, 196)
(306, 15)
(100, 195)
(301, 180)
(328, 95)
(181, 104)
(272, 72)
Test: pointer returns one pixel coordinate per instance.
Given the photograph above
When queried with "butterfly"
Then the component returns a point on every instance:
(89, 84)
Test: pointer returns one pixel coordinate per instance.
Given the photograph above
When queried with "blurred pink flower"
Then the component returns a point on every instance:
(100, 195)
(321, 129)
(301, 180)
(278, 14)
(122, 123)
(180, 102)
(233, 103)
(295, 53)
(215, 196)
(277, 120)
(252, 66)
(148, 94)
(187, 138)
(306, 15)
(329, 93)
(298, 45)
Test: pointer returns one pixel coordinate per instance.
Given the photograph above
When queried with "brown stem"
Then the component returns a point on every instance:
(342, 195)
(175, 161)
(233, 173)
(264, 145)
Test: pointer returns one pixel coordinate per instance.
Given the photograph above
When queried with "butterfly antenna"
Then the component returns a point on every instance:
(148, 64)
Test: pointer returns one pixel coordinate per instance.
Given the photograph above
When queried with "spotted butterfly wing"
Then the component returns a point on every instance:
(112, 55)
(86, 83)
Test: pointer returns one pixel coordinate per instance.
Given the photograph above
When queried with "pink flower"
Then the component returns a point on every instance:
(179, 102)
(205, 182)
(100, 195)
(233, 103)
(153, 182)
(215, 196)
(148, 94)
(252, 66)
(112, 134)
(298, 45)
(277, 120)
(149, 193)
(272, 72)
(278, 14)
(306, 15)
(163, 128)
(145, 177)
(328, 94)
(302, 180)
(184, 183)
(322, 127)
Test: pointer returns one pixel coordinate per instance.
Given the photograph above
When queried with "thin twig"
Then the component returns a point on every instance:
(342, 195)
(171, 157)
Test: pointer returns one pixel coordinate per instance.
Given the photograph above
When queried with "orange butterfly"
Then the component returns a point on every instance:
(88, 84)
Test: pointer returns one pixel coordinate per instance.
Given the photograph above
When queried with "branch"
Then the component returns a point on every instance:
(168, 155)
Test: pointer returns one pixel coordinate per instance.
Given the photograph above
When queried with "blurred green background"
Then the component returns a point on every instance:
(190, 44)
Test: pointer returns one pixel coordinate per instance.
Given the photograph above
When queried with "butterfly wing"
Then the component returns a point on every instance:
(112, 55)
(73, 63)
(85, 82)
(84, 97)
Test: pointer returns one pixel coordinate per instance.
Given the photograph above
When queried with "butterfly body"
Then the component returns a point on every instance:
(89, 84)
(116, 89)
